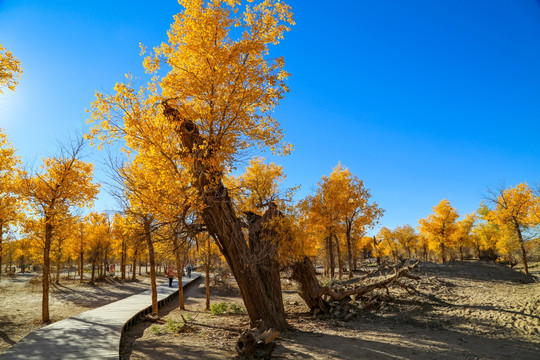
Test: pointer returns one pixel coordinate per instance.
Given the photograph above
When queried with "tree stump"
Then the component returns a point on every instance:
(256, 343)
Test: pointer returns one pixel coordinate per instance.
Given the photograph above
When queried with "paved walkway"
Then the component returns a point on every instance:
(94, 334)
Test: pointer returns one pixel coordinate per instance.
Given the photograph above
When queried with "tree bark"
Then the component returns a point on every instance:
(134, 268)
(303, 272)
(255, 267)
(443, 257)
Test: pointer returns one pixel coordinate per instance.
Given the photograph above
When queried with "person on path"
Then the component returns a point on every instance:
(189, 270)
(170, 275)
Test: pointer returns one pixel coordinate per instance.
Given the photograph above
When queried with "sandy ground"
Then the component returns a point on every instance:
(20, 301)
(463, 310)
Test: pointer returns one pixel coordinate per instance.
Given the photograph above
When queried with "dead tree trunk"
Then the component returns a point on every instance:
(313, 294)
(254, 266)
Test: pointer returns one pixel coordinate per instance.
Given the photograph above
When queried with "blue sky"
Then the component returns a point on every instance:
(423, 100)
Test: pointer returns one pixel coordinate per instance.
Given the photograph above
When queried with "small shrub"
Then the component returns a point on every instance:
(173, 326)
(219, 308)
(155, 329)
(237, 308)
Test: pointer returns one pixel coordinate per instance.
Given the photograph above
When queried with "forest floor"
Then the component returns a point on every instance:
(21, 295)
(462, 310)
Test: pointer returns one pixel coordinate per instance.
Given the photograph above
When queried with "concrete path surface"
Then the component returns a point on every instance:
(94, 334)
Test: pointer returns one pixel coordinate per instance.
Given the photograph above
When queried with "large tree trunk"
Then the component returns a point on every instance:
(443, 250)
(151, 258)
(46, 271)
(134, 268)
(255, 267)
(304, 273)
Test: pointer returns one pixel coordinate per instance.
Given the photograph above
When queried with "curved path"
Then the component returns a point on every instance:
(93, 334)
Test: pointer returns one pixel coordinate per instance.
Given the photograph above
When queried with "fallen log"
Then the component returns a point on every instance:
(320, 298)
(363, 289)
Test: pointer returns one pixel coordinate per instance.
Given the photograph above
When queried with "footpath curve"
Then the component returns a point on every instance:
(94, 334)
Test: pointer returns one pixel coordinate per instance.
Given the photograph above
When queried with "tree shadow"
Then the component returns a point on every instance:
(403, 343)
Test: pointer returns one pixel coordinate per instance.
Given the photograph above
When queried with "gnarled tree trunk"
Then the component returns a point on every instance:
(303, 272)
(254, 266)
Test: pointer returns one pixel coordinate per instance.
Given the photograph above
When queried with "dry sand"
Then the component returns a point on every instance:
(463, 310)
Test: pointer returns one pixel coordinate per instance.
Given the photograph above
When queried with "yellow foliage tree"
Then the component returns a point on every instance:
(463, 235)
(513, 212)
(217, 99)
(440, 227)
(407, 238)
(10, 205)
(10, 70)
(341, 206)
(258, 186)
(388, 244)
(63, 182)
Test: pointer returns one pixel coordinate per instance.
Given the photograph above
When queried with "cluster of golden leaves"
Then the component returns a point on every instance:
(10, 204)
(10, 70)
(220, 78)
(258, 186)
